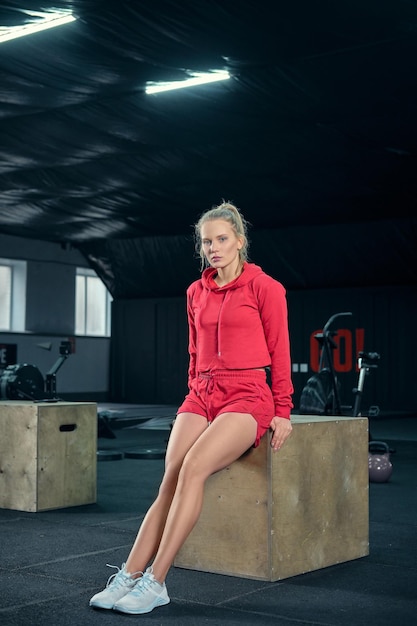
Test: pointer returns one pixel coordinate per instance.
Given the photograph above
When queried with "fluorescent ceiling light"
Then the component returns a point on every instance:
(198, 78)
(45, 20)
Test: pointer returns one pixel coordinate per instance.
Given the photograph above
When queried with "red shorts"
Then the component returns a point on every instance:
(232, 391)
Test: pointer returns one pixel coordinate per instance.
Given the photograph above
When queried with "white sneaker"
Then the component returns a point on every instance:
(118, 585)
(147, 594)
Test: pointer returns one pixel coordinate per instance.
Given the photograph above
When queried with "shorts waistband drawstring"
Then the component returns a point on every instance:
(208, 378)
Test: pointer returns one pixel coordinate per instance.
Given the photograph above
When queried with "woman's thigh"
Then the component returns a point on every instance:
(228, 437)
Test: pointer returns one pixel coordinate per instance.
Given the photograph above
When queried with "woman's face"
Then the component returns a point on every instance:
(220, 244)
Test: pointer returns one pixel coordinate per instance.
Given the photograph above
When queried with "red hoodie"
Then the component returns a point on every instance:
(242, 325)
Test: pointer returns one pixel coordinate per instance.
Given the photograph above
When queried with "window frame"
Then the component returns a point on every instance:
(81, 329)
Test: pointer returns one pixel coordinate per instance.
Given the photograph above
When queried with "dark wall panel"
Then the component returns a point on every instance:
(50, 298)
(149, 345)
(149, 356)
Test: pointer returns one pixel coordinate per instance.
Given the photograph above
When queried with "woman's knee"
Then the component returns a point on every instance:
(193, 469)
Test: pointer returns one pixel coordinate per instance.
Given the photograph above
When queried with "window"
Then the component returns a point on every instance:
(12, 295)
(92, 305)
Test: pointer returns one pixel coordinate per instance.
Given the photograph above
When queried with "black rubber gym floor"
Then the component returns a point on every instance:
(52, 562)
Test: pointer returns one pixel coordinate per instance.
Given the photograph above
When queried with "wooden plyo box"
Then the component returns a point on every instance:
(270, 516)
(48, 455)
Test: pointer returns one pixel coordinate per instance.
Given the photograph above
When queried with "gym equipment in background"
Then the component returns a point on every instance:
(321, 394)
(21, 382)
(379, 462)
(25, 382)
(366, 362)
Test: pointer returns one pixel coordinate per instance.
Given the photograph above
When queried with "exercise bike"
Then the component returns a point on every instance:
(321, 394)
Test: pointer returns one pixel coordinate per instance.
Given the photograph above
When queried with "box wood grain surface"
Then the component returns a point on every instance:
(270, 516)
(48, 455)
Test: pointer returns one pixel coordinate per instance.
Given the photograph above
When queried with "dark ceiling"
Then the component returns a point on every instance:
(314, 137)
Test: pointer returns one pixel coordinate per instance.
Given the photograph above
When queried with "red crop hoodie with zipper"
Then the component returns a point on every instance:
(243, 325)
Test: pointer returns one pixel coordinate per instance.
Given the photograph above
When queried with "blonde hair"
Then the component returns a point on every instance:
(230, 213)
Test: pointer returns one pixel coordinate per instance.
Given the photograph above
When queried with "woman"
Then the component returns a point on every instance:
(237, 319)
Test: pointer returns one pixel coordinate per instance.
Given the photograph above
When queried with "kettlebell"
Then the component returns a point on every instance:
(380, 466)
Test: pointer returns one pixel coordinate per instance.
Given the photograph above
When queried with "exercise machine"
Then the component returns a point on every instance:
(321, 394)
(25, 382)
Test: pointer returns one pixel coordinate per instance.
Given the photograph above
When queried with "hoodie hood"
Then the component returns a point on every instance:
(249, 272)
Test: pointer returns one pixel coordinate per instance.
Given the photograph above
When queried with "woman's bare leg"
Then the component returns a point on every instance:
(227, 438)
(186, 430)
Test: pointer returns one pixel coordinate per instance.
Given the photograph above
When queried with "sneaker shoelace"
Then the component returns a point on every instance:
(117, 580)
(146, 582)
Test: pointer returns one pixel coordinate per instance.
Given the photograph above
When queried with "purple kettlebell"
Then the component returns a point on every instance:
(380, 466)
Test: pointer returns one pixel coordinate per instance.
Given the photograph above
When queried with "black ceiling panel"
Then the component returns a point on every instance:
(314, 137)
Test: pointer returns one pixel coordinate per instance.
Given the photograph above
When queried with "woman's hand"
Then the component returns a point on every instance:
(281, 428)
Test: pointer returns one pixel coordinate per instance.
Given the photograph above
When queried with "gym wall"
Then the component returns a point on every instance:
(50, 310)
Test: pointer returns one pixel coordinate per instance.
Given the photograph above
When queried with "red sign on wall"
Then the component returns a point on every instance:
(348, 345)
